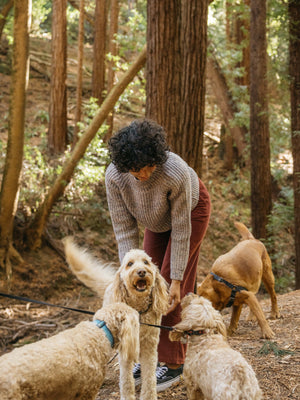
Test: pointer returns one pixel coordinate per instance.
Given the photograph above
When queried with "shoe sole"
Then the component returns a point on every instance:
(163, 386)
(137, 381)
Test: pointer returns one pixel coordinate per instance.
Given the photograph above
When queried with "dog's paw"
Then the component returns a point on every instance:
(251, 316)
(230, 331)
(275, 315)
(268, 333)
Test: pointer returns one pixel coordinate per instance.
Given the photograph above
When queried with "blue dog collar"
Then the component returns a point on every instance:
(102, 324)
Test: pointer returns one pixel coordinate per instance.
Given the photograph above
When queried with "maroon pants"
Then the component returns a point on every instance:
(158, 246)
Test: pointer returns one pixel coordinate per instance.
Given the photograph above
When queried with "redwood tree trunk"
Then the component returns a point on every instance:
(79, 71)
(163, 67)
(113, 50)
(175, 73)
(193, 55)
(294, 15)
(14, 153)
(261, 203)
(57, 134)
(98, 78)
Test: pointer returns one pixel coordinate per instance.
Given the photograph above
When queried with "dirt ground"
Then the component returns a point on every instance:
(275, 362)
(45, 276)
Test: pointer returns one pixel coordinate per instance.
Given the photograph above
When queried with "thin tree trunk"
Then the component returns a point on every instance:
(35, 231)
(294, 16)
(79, 71)
(261, 201)
(113, 50)
(98, 78)
(225, 103)
(87, 16)
(57, 134)
(4, 13)
(14, 154)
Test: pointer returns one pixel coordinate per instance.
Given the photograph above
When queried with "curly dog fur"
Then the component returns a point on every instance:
(137, 283)
(212, 369)
(71, 365)
(246, 265)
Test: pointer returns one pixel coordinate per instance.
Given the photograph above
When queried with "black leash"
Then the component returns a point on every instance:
(234, 288)
(10, 296)
(169, 328)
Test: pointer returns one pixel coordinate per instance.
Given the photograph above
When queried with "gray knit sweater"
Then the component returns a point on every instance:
(163, 202)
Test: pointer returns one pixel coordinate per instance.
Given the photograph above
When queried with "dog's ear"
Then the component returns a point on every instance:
(160, 294)
(129, 335)
(178, 330)
(118, 289)
(220, 324)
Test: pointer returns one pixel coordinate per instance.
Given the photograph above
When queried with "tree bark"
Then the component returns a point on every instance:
(35, 230)
(176, 61)
(4, 13)
(194, 55)
(57, 133)
(113, 50)
(294, 17)
(79, 71)
(163, 67)
(261, 203)
(14, 154)
(98, 77)
(225, 103)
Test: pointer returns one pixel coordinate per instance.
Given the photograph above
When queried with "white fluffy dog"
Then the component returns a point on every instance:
(137, 283)
(212, 369)
(71, 365)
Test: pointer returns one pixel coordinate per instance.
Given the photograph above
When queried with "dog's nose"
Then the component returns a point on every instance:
(141, 273)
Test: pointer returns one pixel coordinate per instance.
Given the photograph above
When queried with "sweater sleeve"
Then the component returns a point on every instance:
(181, 228)
(124, 224)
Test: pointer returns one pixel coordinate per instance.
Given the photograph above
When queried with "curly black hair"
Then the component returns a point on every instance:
(140, 144)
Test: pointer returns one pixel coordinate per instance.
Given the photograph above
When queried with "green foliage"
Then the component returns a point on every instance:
(229, 54)
(280, 227)
(272, 347)
(132, 31)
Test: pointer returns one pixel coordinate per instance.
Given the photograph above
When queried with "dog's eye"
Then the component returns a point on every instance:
(146, 262)
(130, 264)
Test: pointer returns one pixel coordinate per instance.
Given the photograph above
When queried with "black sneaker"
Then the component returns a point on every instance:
(166, 377)
(137, 374)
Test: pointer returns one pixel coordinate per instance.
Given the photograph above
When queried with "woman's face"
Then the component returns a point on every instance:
(144, 173)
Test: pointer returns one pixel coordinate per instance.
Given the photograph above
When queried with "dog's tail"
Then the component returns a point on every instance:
(244, 231)
(90, 271)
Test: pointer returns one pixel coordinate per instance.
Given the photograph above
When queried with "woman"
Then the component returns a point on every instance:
(149, 185)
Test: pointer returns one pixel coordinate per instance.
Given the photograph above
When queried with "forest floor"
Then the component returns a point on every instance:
(45, 275)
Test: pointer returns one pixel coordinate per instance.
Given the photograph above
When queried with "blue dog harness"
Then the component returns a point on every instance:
(234, 288)
(102, 325)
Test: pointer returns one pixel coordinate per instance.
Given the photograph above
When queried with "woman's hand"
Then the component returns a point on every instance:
(174, 295)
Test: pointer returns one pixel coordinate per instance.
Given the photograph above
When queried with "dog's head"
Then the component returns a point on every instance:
(212, 290)
(197, 314)
(138, 278)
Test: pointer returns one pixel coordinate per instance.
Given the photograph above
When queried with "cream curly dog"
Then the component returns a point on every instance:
(71, 365)
(244, 267)
(137, 283)
(212, 369)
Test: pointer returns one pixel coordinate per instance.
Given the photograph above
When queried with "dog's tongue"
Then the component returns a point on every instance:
(141, 285)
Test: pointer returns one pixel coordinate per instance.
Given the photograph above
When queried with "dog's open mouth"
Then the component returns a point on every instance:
(141, 285)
